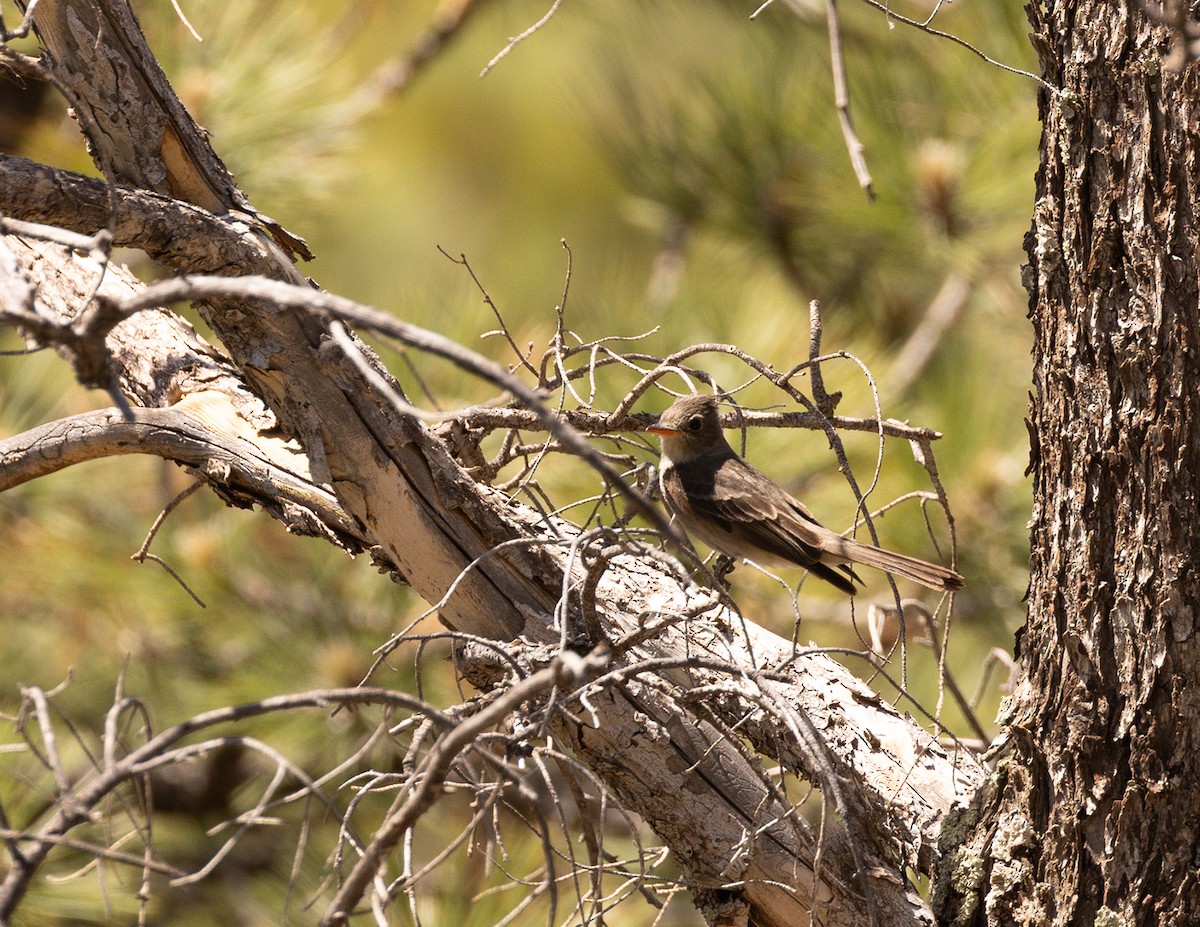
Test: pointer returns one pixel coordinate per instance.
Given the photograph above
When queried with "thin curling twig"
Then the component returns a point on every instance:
(286, 294)
(435, 769)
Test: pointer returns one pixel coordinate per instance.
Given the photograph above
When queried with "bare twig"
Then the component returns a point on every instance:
(284, 294)
(435, 768)
(925, 27)
(461, 260)
(89, 244)
(825, 403)
(841, 98)
(928, 621)
(518, 39)
(7, 35)
(949, 36)
(77, 809)
(996, 657)
(183, 19)
(143, 553)
(94, 850)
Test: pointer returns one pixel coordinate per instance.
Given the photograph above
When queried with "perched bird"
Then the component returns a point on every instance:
(738, 510)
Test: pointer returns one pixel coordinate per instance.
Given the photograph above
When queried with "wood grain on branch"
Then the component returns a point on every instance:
(198, 432)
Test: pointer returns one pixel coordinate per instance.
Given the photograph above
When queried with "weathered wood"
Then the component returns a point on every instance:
(402, 490)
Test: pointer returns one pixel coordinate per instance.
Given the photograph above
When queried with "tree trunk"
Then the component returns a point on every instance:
(1093, 817)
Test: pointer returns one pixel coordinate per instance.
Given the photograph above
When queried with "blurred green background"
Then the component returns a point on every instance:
(692, 160)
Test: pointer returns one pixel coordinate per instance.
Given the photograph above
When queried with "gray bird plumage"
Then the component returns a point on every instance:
(736, 509)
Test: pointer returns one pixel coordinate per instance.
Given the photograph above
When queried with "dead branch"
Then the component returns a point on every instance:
(434, 770)
(686, 640)
(114, 772)
(682, 636)
(841, 94)
(187, 435)
(499, 570)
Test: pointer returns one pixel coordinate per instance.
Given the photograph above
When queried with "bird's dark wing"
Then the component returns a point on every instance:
(757, 515)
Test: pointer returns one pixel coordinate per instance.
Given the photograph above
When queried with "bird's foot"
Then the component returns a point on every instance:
(721, 569)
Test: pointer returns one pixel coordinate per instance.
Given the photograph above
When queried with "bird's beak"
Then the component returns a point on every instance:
(665, 432)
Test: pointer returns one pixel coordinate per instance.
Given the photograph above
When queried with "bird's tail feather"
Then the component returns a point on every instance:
(927, 574)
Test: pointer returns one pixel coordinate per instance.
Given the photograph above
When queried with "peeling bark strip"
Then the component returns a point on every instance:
(102, 64)
(400, 489)
(1094, 817)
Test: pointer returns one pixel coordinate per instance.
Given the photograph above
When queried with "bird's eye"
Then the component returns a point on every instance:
(695, 423)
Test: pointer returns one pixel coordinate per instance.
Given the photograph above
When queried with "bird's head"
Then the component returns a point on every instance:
(690, 428)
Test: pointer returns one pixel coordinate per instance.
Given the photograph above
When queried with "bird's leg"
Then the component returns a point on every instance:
(721, 569)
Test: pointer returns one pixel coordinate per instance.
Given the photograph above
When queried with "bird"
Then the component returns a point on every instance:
(738, 510)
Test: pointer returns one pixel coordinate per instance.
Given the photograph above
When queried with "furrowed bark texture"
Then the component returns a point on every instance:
(1094, 817)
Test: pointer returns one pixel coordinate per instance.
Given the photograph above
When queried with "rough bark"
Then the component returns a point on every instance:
(1092, 817)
